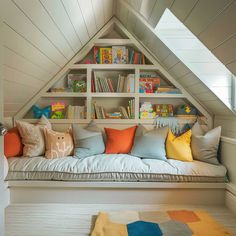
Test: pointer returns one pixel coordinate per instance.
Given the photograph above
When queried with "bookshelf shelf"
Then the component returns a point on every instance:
(159, 95)
(64, 94)
(121, 95)
(113, 67)
(111, 42)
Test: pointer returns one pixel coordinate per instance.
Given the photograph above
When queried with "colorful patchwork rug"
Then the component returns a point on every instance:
(170, 223)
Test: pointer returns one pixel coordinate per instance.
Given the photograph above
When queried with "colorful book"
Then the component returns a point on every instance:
(119, 55)
(58, 110)
(105, 55)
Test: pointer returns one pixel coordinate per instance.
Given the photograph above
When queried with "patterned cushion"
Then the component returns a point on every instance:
(33, 137)
(88, 141)
(145, 143)
(58, 144)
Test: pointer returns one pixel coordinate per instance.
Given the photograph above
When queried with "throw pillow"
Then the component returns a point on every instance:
(178, 148)
(205, 145)
(33, 137)
(58, 144)
(150, 143)
(88, 141)
(119, 141)
(13, 146)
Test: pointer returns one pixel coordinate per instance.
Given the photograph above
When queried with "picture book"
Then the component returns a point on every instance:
(77, 83)
(105, 55)
(149, 85)
(119, 55)
(58, 110)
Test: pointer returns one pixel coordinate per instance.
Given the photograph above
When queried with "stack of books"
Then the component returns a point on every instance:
(149, 83)
(123, 113)
(168, 90)
(136, 58)
(75, 112)
(125, 83)
(117, 55)
(99, 111)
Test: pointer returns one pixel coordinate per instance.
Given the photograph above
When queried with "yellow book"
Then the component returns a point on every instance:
(105, 55)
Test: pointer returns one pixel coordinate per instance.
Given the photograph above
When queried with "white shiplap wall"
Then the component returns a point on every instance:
(40, 37)
(189, 12)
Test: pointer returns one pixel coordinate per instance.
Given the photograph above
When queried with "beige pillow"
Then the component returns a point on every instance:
(58, 144)
(33, 137)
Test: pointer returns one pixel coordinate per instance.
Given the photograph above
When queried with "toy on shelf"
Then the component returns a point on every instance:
(185, 110)
(164, 110)
(58, 110)
(77, 83)
(146, 111)
(38, 112)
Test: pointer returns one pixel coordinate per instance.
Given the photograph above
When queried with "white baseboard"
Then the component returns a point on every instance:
(230, 197)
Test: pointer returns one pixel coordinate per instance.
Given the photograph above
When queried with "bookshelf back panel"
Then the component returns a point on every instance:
(111, 104)
(63, 82)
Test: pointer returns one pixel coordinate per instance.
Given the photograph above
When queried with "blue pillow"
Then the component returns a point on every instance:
(38, 112)
(150, 144)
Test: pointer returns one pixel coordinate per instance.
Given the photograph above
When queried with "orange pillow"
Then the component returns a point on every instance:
(13, 146)
(119, 141)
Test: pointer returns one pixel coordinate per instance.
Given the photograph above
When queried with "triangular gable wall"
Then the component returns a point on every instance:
(86, 49)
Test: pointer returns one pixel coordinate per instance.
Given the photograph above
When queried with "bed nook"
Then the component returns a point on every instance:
(116, 125)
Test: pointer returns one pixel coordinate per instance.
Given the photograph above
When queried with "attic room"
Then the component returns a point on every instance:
(118, 117)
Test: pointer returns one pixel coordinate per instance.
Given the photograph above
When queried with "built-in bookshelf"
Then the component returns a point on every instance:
(111, 92)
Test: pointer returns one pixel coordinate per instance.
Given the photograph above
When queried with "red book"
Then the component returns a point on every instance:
(136, 58)
(93, 86)
(110, 86)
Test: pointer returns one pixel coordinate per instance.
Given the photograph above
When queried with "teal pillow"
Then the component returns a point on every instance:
(88, 141)
(150, 144)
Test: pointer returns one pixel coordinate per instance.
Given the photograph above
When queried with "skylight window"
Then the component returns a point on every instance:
(195, 55)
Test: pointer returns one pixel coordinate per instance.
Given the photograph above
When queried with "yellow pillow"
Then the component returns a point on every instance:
(178, 148)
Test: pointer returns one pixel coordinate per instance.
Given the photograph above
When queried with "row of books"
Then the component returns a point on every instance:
(117, 55)
(123, 113)
(75, 112)
(122, 84)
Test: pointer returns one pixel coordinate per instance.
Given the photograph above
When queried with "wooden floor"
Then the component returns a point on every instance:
(76, 220)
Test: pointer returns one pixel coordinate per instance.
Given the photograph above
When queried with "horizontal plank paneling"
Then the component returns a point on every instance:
(203, 13)
(15, 76)
(220, 29)
(158, 10)
(40, 18)
(147, 7)
(15, 18)
(21, 94)
(98, 10)
(74, 12)
(227, 51)
(60, 17)
(88, 15)
(20, 63)
(182, 8)
(108, 9)
(228, 125)
(23, 47)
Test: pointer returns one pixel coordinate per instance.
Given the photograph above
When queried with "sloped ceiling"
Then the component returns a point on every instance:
(210, 20)
(41, 36)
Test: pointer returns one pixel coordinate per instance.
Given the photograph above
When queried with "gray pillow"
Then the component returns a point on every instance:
(150, 144)
(205, 145)
(88, 141)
